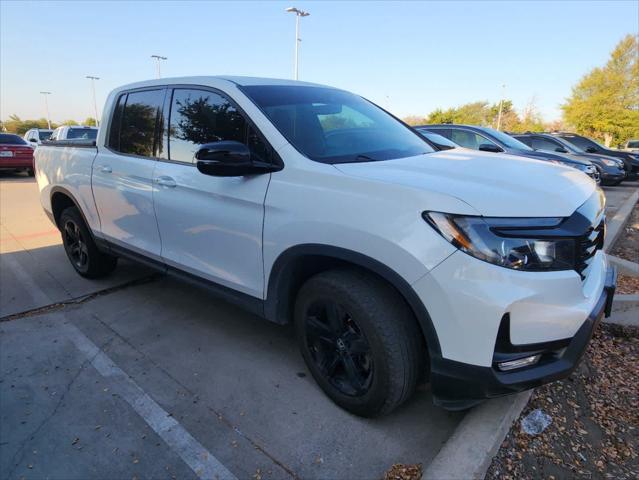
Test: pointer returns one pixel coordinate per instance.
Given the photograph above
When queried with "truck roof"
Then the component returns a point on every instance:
(212, 79)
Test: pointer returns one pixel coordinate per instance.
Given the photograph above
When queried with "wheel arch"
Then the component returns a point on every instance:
(296, 264)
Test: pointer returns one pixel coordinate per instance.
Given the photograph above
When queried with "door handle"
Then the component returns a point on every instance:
(165, 181)
(106, 169)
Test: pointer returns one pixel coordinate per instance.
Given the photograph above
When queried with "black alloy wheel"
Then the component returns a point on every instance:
(339, 348)
(75, 245)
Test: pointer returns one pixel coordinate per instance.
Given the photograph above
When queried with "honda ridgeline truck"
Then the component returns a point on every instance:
(309, 204)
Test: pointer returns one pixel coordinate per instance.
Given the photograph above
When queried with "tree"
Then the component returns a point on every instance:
(90, 122)
(18, 126)
(605, 102)
(70, 123)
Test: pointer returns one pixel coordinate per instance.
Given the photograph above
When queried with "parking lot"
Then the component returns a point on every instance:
(142, 375)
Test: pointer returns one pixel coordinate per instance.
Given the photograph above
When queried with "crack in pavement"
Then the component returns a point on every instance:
(81, 299)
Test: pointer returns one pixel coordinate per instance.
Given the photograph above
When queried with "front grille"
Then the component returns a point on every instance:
(587, 246)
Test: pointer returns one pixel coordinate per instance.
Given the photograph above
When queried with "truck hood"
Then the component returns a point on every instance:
(495, 185)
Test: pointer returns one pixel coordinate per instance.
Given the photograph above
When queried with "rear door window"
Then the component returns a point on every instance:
(138, 130)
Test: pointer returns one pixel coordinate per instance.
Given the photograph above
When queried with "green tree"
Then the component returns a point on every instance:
(90, 122)
(70, 123)
(18, 126)
(605, 102)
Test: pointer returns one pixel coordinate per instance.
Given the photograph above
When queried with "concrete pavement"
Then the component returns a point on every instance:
(154, 378)
(235, 385)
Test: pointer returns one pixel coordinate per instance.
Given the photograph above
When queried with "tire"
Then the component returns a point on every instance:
(359, 340)
(30, 172)
(80, 247)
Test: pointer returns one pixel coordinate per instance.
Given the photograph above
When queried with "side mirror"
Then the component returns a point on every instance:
(561, 150)
(33, 140)
(229, 159)
(591, 150)
(489, 147)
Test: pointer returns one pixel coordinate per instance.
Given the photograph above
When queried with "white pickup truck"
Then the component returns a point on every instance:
(311, 205)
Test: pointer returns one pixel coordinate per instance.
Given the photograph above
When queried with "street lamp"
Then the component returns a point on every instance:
(158, 58)
(298, 14)
(95, 104)
(46, 106)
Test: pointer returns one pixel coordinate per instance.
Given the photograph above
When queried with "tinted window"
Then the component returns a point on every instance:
(137, 131)
(82, 133)
(9, 138)
(199, 117)
(540, 143)
(633, 144)
(506, 139)
(525, 140)
(333, 126)
(116, 120)
(581, 142)
(44, 134)
(440, 141)
(469, 139)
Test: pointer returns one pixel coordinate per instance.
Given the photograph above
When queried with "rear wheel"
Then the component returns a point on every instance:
(30, 172)
(81, 250)
(359, 340)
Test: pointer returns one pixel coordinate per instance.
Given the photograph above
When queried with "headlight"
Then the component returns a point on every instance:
(610, 163)
(502, 241)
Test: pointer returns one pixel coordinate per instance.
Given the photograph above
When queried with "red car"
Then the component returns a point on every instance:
(15, 154)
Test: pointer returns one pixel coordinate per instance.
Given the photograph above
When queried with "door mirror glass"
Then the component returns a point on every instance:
(489, 147)
(228, 159)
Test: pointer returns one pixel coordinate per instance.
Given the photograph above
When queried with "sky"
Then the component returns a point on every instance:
(409, 57)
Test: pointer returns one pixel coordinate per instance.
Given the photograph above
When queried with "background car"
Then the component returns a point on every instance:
(611, 170)
(490, 140)
(36, 136)
(439, 142)
(631, 160)
(15, 154)
(632, 146)
(79, 132)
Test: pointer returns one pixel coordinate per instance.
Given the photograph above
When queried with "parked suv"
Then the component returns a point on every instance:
(490, 140)
(611, 170)
(630, 160)
(311, 205)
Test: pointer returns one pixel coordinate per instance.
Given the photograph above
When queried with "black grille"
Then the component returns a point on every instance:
(587, 246)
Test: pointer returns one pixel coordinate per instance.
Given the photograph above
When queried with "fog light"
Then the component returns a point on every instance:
(519, 363)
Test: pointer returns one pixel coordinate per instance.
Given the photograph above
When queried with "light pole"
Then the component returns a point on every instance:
(46, 106)
(501, 105)
(298, 14)
(158, 58)
(95, 104)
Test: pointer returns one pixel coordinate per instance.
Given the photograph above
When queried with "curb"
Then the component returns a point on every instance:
(618, 221)
(624, 266)
(625, 311)
(470, 450)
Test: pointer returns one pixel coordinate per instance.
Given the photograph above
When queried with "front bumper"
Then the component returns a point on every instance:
(457, 385)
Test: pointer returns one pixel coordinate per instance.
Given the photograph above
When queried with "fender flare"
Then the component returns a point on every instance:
(280, 276)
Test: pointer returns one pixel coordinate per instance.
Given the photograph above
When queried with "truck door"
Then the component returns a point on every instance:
(210, 226)
(123, 172)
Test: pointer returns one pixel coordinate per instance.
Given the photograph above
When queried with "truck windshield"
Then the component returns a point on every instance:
(82, 133)
(333, 126)
(44, 134)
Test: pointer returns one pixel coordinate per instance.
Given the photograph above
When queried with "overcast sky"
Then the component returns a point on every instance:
(410, 57)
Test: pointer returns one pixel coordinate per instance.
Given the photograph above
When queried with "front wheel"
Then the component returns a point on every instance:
(360, 341)
(80, 248)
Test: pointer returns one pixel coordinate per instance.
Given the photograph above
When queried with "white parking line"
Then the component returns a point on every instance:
(205, 465)
(177, 438)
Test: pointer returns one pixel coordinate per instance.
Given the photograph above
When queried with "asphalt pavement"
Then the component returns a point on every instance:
(140, 376)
